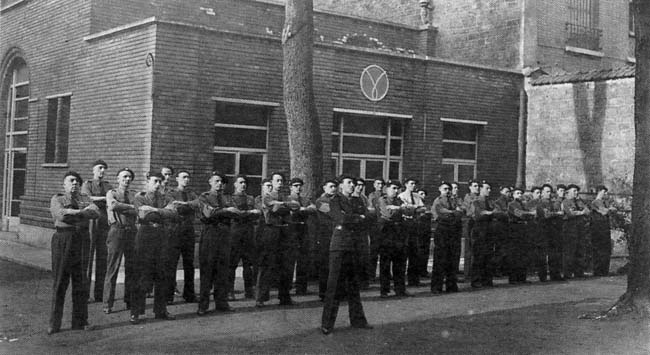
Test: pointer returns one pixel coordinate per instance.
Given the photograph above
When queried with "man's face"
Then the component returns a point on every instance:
(347, 186)
(98, 171)
(444, 190)
(410, 186)
(329, 188)
(124, 179)
(454, 189)
(391, 190)
(378, 185)
(473, 187)
(537, 194)
(167, 173)
(277, 181)
(572, 192)
(70, 184)
(240, 185)
(546, 192)
(485, 190)
(422, 194)
(216, 183)
(183, 179)
(296, 188)
(267, 187)
(358, 187)
(517, 194)
(153, 184)
(561, 192)
(505, 192)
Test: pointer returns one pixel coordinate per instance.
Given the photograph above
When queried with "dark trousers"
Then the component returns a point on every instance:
(214, 264)
(517, 254)
(151, 268)
(299, 233)
(343, 282)
(242, 248)
(324, 239)
(392, 258)
(601, 245)
(181, 244)
(98, 252)
(119, 242)
(277, 258)
(446, 252)
(412, 252)
(552, 231)
(468, 227)
(373, 251)
(424, 236)
(538, 249)
(501, 230)
(482, 253)
(574, 248)
(67, 267)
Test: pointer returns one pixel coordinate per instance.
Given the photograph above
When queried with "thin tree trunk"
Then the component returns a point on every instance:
(305, 143)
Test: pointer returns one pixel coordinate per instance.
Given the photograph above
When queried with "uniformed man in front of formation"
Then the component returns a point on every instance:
(549, 215)
(325, 230)
(96, 189)
(299, 232)
(71, 212)
(121, 239)
(373, 215)
(468, 225)
(348, 214)
(182, 238)
(393, 242)
(359, 191)
(215, 245)
(413, 207)
(457, 202)
(537, 244)
(483, 238)
(501, 229)
(516, 253)
(574, 245)
(601, 242)
(151, 248)
(446, 250)
(242, 232)
(424, 233)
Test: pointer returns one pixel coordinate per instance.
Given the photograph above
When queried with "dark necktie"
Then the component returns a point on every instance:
(184, 196)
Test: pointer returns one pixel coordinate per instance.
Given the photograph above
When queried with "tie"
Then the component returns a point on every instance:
(126, 197)
(412, 200)
(184, 195)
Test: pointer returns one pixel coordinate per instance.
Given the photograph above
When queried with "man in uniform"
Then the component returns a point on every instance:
(359, 193)
(214, 248)
(242, 232)
(573, 247)
(537, 245)
(446, 250)
(344, 260)
(549, 215)
(501, 229)
(601, 242)
(325, 230)
(71, 212)
(151, 251)
(458, 202)
(278, 245)
(265, 188)
(516, 246)
(299, 232)
(373, 215)
(120, 240)
(182, 237)
(482, 238)
(96, 189)
(393, 242)
(424, 233)
(468, 225)
(413, 206)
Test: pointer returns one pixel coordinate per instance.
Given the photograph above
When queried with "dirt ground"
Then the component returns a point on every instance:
(531, 319)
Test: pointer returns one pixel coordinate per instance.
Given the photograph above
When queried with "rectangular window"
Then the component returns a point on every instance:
(459, 150)
(369, 147)
(630, 20)
(58, 125)
(241, 140)
(582, 27)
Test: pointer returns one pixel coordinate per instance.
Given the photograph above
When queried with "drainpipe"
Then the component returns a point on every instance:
(521, 140)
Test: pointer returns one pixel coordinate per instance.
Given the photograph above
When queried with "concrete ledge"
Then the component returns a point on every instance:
(24, 254)
(35, 236)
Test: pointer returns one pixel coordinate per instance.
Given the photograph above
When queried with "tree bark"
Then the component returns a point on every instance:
(305, 142)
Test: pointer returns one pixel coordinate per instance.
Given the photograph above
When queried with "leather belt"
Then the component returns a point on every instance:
(66, 229)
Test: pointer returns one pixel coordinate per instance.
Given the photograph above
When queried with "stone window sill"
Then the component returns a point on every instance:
(584, 51)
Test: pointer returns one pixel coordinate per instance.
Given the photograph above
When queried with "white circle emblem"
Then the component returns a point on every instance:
(374, 83)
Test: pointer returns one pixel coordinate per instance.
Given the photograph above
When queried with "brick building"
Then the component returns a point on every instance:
(198, 84)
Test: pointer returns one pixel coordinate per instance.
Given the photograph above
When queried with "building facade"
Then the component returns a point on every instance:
(198, 85)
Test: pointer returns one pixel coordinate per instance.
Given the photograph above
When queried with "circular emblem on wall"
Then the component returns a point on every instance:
(374, 82)
(148, 61)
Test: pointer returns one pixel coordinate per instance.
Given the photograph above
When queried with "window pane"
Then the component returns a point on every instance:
(22, 91)
(335, 144)
(336, 123)
(250, 164)
(365, 125)
(240, 137)
(374, 169)
(459, 151)
(352, 167)
(224, 163)
(241, 114)
(20, 160)
(21, 108)
(62, 130)
(460, 132)
(447, 173)
(20, 141)
(334, 168)
(393, 170)
(50, 137)
(362, 145)
(15, 208)
(465, 172)
(396, 128)
(19, 184)
(21, 125)
(396, 147)
(253, 186)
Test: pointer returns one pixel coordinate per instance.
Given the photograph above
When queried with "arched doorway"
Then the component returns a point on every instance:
(16, 104)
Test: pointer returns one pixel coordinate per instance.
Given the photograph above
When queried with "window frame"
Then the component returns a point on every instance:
(52, 158)
(455, 162)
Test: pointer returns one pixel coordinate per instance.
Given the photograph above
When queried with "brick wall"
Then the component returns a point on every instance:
(581, 133)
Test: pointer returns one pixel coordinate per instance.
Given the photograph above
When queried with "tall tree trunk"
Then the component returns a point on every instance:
(305, 142)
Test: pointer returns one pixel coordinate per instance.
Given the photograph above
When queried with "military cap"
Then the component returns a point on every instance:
(411, 179)
(156, 175)
(296, 181)
(126, 169)
(573, 186)
(549, 186)
(330, 180)
(380, 179)
(518, 188)
(560, 186)
(223, 177)
(394, 182)
(532, 189)
(445, 183)
(265, 180)
(75, 174)
(601, 187)
(100, 162)
(343, 177)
